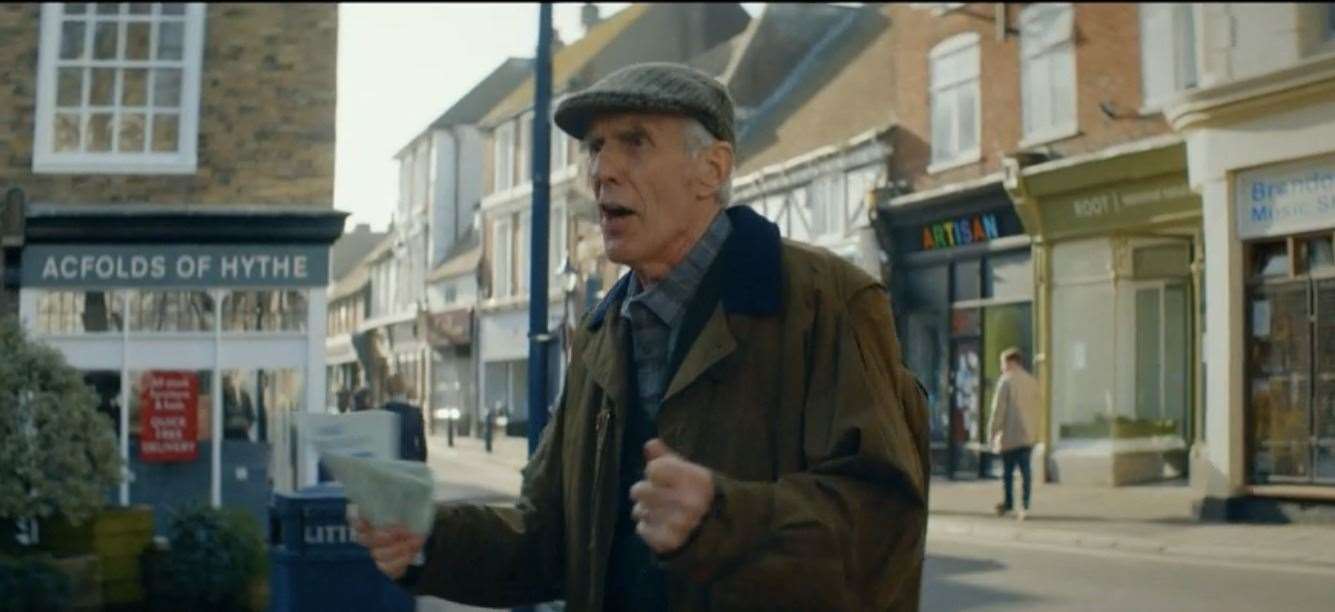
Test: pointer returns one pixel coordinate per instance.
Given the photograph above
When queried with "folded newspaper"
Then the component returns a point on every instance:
(386, 492)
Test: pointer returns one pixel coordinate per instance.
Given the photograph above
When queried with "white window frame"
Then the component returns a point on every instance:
(524, 150)
(502, 249)
(825, 197)
(184, 161)
(1183, 45)
(560, 156)
(949, 92)
(1043, 57)
(523, 240)
(503, 156)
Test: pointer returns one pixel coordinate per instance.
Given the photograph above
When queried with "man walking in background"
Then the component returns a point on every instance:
(1013, 425)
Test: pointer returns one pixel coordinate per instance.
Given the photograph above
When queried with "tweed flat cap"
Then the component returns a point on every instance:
(654, 87)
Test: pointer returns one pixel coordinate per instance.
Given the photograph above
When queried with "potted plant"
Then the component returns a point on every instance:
(58, 457)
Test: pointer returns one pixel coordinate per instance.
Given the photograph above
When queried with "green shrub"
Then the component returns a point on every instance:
(213, 560)
(31, 583)
(58, 454)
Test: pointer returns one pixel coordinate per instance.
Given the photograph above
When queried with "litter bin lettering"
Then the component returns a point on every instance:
(316, 562)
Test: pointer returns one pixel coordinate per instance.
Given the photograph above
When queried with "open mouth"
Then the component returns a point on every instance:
(615, 211)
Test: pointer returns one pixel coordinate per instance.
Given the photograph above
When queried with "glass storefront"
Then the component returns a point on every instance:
(1121, 350)
(163, 361)
(1290, 330)
(962, 289)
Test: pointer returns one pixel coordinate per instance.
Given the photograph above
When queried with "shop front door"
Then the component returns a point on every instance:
(966, 404)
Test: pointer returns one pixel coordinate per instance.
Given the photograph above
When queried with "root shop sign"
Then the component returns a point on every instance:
(169, 417)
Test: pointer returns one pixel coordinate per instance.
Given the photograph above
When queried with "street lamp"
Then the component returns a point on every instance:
(569, 278)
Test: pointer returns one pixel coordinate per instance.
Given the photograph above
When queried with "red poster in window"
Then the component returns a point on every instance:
(168, 417)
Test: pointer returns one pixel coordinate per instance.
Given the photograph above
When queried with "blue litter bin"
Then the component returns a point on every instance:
(315, 561)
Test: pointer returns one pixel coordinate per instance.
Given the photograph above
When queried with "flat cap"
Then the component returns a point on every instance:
(654, 87)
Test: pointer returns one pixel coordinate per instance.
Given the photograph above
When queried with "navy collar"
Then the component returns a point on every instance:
(751, 258)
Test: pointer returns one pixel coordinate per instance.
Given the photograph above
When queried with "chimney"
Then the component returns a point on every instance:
(589, 16)
(362, 228)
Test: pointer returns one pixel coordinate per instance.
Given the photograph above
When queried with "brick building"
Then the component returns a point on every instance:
(170, 178)
(1022, 133)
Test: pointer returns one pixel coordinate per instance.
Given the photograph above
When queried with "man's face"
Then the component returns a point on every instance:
(652, 198)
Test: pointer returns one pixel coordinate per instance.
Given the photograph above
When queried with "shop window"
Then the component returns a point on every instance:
(118, 88)
(1330, 21)
(1047, 71)
(1318, 255)
(968, 280)
(1270, 259)
(79, 312)
(1291, 362)
(1167, 51)
(954, 100)
(170, 311)
(264, 311)
(1008, 275)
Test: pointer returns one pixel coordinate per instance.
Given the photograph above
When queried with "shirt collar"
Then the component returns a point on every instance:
(667, 299)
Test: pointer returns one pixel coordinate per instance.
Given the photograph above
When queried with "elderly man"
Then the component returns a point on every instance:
(736, 430)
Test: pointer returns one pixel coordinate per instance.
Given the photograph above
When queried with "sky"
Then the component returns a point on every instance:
(401, 65)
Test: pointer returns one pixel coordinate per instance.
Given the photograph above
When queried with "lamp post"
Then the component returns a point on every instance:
(569, 281)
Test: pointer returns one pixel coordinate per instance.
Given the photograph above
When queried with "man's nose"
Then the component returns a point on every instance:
(604, 169)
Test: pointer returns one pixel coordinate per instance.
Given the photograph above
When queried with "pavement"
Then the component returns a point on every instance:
(1155, 519)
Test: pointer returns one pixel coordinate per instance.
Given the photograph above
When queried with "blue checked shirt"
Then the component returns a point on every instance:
(655, 314)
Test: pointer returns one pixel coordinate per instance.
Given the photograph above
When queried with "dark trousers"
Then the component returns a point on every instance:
(1010, 459)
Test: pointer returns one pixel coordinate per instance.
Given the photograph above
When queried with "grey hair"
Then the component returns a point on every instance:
(698, 139)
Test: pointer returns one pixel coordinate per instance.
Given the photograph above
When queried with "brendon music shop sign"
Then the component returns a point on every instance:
(169, 417)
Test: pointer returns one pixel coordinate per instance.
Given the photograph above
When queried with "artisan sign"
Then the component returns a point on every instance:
(1286, 199)
(86, 266)
(168, 417)
(961, 232)
(974, 225)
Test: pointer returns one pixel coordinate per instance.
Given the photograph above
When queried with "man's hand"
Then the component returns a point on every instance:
(392, 548)
(672, 499)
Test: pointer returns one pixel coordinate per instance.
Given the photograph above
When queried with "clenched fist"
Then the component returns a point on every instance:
(393, 548)
(672, 499)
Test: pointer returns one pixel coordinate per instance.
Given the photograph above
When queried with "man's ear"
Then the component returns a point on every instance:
(715, 167)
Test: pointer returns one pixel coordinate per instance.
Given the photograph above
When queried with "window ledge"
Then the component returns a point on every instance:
(965, 160)
(42, 165)
(1049, 136)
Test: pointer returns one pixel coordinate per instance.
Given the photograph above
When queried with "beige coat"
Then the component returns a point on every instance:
(1015, 419)
(793, 392)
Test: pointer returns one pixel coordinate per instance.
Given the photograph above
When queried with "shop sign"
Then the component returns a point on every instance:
(169, 417)
(960, 232)
(1286, 199)
(87, 266)
(1138, 203)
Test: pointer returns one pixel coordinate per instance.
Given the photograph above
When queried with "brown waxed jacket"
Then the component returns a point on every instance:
(793, 393)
